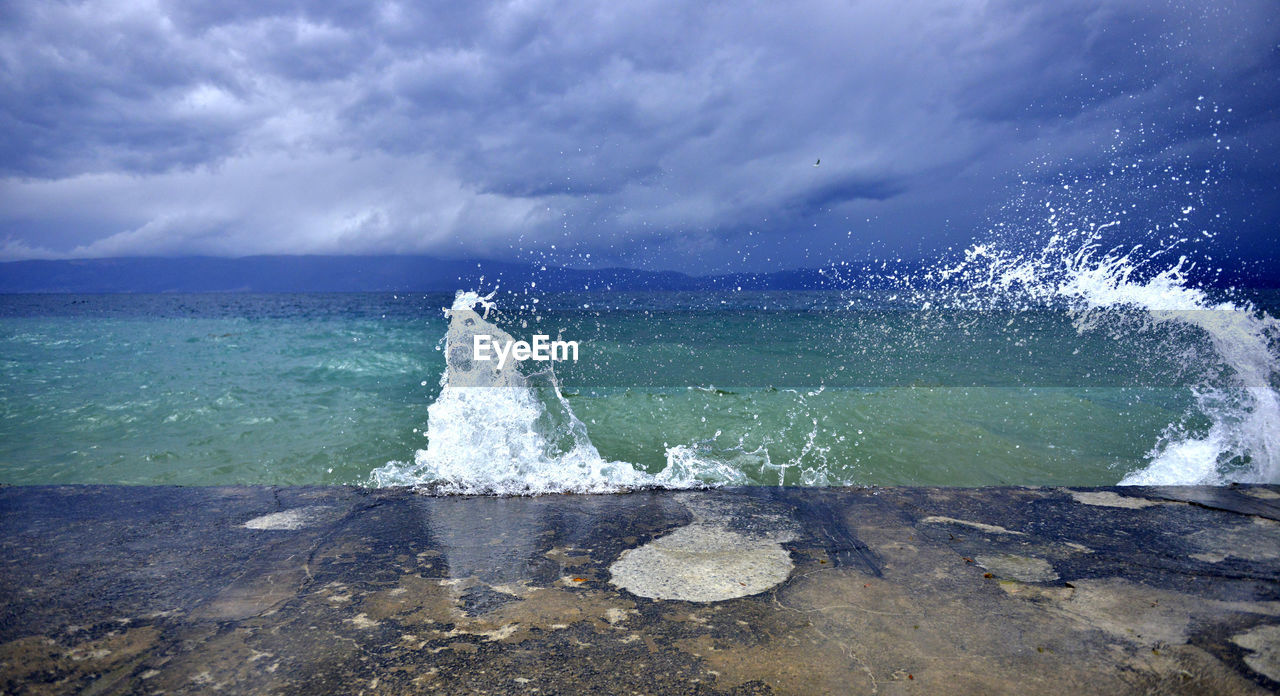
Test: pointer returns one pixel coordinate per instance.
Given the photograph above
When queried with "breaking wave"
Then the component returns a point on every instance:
(1228, 350)
(500, 431)
(1073, 256)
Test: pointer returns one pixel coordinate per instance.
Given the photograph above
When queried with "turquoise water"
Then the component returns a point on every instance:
(797, 388)
(209, 389)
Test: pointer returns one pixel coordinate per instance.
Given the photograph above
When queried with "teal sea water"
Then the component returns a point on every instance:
(681, 389)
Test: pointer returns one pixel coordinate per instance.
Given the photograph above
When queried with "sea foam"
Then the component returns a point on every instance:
(1228, 350)
(498, 430)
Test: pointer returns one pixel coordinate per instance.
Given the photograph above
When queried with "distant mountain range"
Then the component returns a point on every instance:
(355, 274)
(407, 274)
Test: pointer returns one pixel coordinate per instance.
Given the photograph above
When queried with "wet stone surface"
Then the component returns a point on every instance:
(122, 590)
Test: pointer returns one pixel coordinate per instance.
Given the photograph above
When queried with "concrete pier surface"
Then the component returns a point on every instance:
(124, 590)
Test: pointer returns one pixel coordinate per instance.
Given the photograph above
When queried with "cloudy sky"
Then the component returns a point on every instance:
(648, 134)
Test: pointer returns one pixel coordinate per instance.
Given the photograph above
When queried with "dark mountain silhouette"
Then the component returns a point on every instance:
(421, 274)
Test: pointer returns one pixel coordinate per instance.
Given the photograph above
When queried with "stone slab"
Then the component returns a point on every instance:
(165, 590)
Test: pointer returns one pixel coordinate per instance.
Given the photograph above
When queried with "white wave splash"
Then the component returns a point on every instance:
(1234, 369)
(503, 432)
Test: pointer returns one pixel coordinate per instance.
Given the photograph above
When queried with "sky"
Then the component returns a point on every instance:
(662, 135)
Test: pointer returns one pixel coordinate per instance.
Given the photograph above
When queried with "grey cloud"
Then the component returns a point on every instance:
(845, 189)
(197, 16)
(624, 128)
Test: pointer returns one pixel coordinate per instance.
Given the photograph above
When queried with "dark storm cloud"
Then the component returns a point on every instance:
(846, 189)
(658, 133)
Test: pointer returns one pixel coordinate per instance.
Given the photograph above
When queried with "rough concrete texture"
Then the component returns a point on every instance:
(110, 590)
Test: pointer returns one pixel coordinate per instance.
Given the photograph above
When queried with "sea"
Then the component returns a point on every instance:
(1080, 364)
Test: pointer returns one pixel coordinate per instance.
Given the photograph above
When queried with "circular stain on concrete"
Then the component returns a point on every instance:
(296, 518)
(702, 563)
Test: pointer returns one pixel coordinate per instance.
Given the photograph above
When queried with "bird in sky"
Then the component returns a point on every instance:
(818, 162)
